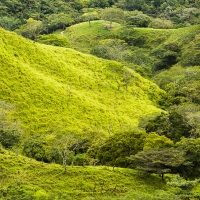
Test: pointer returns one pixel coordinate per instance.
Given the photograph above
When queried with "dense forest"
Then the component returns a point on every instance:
(100, 99)
(47, 16)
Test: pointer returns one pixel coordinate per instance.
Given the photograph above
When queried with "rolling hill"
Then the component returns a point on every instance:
(147, 47)
(58, 89)
(22, 178)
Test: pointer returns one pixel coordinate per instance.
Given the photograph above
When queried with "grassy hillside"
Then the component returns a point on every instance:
(151, 38)
(83, 36)
(22, 178)
(56, 89)
(154, 37)
(148, 47)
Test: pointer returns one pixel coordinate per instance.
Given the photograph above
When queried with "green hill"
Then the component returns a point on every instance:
(83, 37)
(22, 178)
(147, 47)
(57, 89)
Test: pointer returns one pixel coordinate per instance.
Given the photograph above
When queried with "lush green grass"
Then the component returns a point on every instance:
(57, 89)
(22, 178)
(148, 44)
(154, 38)
(83, 36)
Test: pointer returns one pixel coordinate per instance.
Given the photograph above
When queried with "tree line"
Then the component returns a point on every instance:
(48, 16)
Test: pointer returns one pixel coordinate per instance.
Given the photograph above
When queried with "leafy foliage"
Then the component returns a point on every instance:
(137, 18)
(9, 138)
(111, 49)
(173, 126)
(22, 178)
(112, 15)
(34, 148)
(115, 150)
(191, 146)
(182, 94)
(10, 131)
(54, 39)
(159, 161)
(31, 29)
(161, 23)
(153, 140)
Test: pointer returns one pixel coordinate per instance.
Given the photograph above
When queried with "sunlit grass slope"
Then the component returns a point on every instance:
(22, 178)
(83, 34)
(58, 89)
(83, 37)
(157, 37)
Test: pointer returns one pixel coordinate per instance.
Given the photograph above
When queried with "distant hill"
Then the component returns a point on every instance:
(57, 89)
(147, 47)
(83, 36)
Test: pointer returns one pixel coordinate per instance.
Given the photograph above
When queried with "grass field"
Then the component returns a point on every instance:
(83, 36)
(147, 44)
(22, 178)
(57, 89)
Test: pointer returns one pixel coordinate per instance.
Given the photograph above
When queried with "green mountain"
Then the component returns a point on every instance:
(57, 89)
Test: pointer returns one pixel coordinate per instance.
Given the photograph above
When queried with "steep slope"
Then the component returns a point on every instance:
(22, 178)
(56, 89)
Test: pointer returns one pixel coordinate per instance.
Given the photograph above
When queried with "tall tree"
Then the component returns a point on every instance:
(173, 126)
(115, 150)
(66, 146)
(159, 161)
(31, 29)
(112, 15)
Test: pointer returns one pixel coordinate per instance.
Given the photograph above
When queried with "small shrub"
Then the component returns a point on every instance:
(9, 138)
(55, 40)
(161, 24)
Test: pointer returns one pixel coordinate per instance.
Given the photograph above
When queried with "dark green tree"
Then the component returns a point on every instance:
(119, 146)
(9, 23)
(192, 148)
(31, 29)
(159, 161)
(9, 138)
(172, 125)
(34, 147)
(58, 21)
(112, 15)
(137, 18)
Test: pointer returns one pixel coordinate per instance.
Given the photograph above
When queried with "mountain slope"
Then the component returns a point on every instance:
(58, 89)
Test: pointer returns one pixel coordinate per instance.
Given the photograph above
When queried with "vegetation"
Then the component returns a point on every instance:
(23, 178)
(92, 116)
(146, 50)
(58, 90)
(159, 161)
(60, 13)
